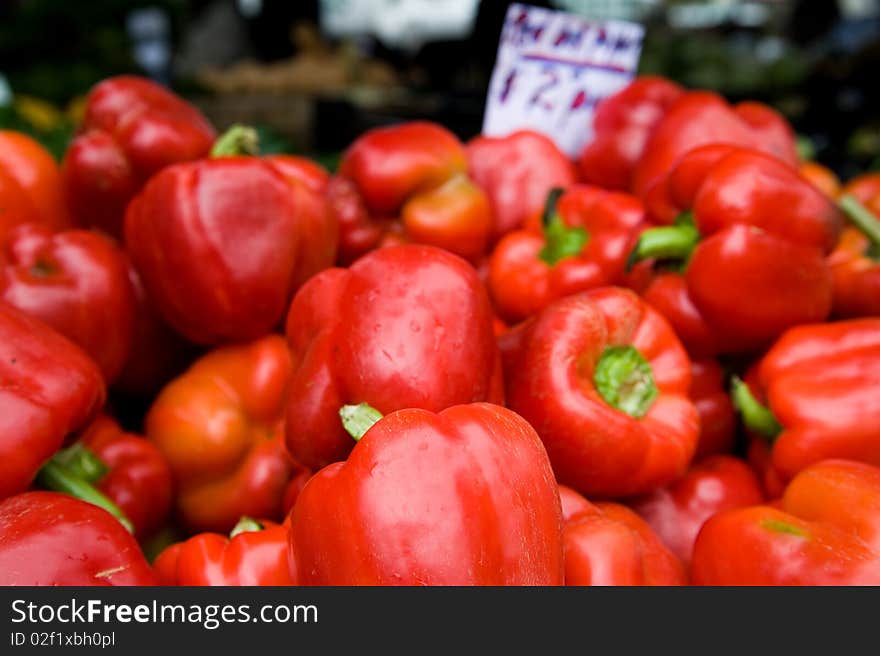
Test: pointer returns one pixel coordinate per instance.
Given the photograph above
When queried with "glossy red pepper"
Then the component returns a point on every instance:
(581, 241)
(819, 384)
(30, 185)
(855, 263)
(132, 129)
(77, 282)
(517, 172)
(49, 386)
(404, 327)
(463, 497)
(220, 427)
(53, 539)
(824, 531)
(701, 118)
(408, 182)
(753, 235)
(255, 553)
(676, 513)
(129, 470)
(622, 125)
(710, 396)
(608, 544)
(604, 381)
(221, 244)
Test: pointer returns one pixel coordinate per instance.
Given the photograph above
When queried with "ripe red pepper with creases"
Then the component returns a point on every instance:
(753, 237)
(132, 129)
(220, 426)
(222, 244)
(255, 553)
(604, 381)
(404, 327)
(462, 497)
(824, 531)
(50, 389)
(608, 544)
(408, 183)
(813, 396)
(517, 172)
(580, 241)
(622, 125)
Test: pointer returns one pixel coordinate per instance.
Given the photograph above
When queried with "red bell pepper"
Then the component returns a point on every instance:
(855, 263)
(48, 386)
(819, 383)
(608, 544)
(54, 539)
(517, 172)
(753, 235)
(220, 427)
(580, 242)
(132, 129)
(408, 182)
(604, 381)
(297, 482)
(701, 118)
(820, 177)
(221, 244)
(824, 531)
(404, 327)
(30, 185)
(622, 125)
(255, 553)
(676, 513)
(128, 469)
(463, 497)
(77, 282)
(710, 396)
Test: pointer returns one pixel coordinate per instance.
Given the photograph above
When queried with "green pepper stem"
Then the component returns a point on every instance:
(758, 418)
(55, 476)
(245, 525)
(237, 140)
(82, 463)
(675, 242)
(863, 218)
(625, 380)
(358, 419)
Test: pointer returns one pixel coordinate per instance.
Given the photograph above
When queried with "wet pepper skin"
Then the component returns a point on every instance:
(132, 129)
(517, 172)
(221, 244)
(524, 277)
(820, 383)
(759, 265)
(138, 479)
(249, 558)
(30, 185)
(550, 364)
(53, 539)
(462, 497)
(622, 125)
(220, 427)
(77, 282)
(676, 513)
(608, 544)
(824, 531)
(49, 386)
(404, 327)
(408, 183)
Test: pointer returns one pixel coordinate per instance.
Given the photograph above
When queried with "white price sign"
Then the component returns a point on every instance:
(552, 70)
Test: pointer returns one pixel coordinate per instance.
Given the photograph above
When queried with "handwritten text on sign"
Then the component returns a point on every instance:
(552, 70)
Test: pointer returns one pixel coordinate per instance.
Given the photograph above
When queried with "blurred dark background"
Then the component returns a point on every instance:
(313, 74)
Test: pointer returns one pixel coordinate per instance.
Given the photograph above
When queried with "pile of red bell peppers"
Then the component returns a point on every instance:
(444, 363)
